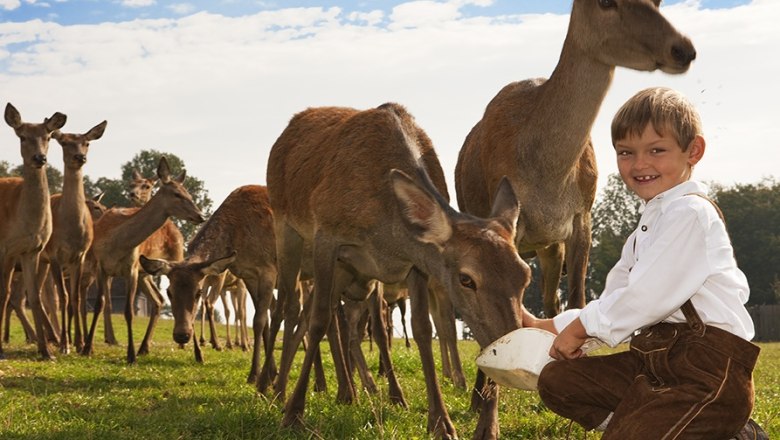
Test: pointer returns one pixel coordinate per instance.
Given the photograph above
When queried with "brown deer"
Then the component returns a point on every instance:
(71, 230)
(25, 217)
(537, 134)
(227, 241)
(166, 242)
(357, 186)
(219, 286)
(119, 234)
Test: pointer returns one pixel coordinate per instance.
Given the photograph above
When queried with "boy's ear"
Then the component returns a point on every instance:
(696, 150)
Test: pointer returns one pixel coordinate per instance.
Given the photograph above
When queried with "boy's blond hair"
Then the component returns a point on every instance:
(668, 110)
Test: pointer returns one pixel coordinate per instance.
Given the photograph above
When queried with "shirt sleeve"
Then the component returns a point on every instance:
(669, 270)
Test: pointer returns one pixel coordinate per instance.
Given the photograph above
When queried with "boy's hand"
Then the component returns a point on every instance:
(567, 345)
(529, 320)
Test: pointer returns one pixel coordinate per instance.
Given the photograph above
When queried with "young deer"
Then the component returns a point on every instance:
(25, 217)
(227, 241)
(356, 185)
(71, 230)
(119, 234)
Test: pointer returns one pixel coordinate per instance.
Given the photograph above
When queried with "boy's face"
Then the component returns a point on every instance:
(651, 163)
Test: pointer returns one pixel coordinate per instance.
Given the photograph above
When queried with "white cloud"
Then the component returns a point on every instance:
(217, 91)
(181, 8)
(10, 5)
(137, 3)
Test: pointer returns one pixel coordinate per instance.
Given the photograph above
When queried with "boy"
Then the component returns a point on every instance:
(688, 373)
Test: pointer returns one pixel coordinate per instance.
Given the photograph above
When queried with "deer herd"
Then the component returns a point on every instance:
(355, 214)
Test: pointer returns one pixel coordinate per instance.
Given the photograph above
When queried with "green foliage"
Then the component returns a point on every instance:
(752, 213)
(5, 168)
(166, 395)
(53, 175)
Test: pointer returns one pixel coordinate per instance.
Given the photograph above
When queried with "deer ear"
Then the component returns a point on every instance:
(155, 267)
(96, 132)
(420, 210)
(137, 175)
(163, 170)
(506, 208)
(99, 197)
(219, 265)
(182, 176)
(56, 121)
(12, 116)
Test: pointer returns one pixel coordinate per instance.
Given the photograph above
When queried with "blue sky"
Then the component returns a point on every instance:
(217, 89)
(68, 12)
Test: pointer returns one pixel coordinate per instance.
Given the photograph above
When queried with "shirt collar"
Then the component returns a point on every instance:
(688, 187)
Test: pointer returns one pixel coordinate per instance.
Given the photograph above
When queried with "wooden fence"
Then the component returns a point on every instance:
(766, 319)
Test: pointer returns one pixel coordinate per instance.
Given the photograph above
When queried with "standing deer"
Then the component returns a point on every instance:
(25, 217)
(227, 241)
(356, 185)
(166, 242)
(71, 230)
(119, 234)
(537, 134)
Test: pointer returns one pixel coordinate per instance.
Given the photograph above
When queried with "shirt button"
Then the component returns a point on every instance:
(644, 228)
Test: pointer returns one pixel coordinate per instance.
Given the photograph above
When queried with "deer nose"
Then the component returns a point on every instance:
(81, 158)
(683, 52)
(181, 337)
(39, 159)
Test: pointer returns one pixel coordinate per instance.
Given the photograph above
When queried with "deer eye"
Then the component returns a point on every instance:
(607, 4)
(467, 282)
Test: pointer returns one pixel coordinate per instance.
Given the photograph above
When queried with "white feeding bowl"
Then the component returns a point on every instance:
(516, 359)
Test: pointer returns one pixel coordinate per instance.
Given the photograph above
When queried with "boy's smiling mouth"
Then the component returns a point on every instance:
(645, 178)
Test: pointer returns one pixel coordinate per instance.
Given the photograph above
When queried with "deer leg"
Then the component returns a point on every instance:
(402, 311)
(378, 322)
(58, 283)
(17, 303)
(353, 311)
(577, 252)
(131, 285)
(439, 422)
(327, 286)
(32, 284)
(214, 293)
(289, 247)
(108, 326)
(346, 386)
(75, 305)
(149, 288)
(551, 265)
(51, 302)
(487, 424)
(6, 275)
(196, 348)
(103, 285)
(82, 311)
(226, 307)
(445, 328)
(264, 288)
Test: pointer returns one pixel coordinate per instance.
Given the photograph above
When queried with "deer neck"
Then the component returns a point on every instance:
(571, 98)
(35, 204)
(139, 226)
(74, 201)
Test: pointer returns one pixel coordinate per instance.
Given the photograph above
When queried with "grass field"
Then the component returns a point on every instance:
(166, 395)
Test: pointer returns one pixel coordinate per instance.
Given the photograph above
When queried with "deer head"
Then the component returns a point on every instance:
(184, 289)
(140, 189)
(179, 202)
(34, 137)
(75, 146)
(629, 33)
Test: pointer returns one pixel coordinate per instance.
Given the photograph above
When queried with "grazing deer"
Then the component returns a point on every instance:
(71, 230)
(166, 243)
(537, 134)
(356, 185)
(25, 217)
(227, 241)
(119, 234)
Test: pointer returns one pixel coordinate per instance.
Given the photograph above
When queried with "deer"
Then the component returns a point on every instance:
(227, 242)
(536, 133)
(218, 288)
(166, 242)
(119, 234)
(25, 217)
(71, 230)
(358, 186)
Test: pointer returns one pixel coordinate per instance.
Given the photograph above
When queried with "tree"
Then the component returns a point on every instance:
(752, 213)
(5, 169)
(614, 217)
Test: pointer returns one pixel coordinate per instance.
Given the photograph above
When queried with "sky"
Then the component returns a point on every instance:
(215, 82)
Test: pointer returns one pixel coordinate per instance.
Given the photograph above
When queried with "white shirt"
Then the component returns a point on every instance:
(679, 251)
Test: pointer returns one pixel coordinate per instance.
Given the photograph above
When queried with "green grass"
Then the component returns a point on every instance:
(166, 395)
